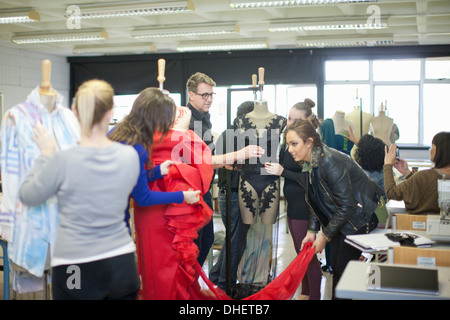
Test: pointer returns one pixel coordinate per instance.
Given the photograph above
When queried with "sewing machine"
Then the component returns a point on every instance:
(438, 226)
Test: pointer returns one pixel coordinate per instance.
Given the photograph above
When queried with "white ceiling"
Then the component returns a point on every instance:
(420, 22)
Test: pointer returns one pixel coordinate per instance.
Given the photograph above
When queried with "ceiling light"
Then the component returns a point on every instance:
(345, 42)
(329, 25)
(245, 4)
(7, 16)
(222, 46)
(135, 9)
(59, 37)
(185, 31)
(118, 49)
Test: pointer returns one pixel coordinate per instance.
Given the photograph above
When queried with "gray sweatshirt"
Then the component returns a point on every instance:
(92, 186)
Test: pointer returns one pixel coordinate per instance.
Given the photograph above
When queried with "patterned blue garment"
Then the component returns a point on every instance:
(30, 231)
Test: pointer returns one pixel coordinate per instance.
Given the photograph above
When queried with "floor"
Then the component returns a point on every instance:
(285, 254)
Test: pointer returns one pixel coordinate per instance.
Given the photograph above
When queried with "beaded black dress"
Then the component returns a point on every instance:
(259, 191)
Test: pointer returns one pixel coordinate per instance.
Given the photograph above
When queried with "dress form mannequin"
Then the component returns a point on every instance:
(383, 127)
(355, 118)
(341, 124)
(182, 119)
(31, 230)
(258, 190)
(46, 93)
(333, 132)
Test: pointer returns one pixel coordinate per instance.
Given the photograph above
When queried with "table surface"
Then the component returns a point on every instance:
(353, 285)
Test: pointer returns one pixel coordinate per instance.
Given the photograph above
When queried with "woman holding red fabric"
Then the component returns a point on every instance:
(166, 233)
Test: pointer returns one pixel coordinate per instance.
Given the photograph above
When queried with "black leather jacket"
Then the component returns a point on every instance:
(341, 195)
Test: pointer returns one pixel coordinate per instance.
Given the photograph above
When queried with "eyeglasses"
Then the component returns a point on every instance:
(205, 96)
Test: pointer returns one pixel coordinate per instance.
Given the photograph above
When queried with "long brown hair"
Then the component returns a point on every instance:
(442, 142)
(152, 111)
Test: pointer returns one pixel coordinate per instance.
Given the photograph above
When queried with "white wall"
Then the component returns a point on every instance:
(20, 73)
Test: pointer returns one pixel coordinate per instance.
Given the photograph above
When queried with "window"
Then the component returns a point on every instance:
(416, 92)
(342, 97)
(124, 103)
(401, 104)
(346, 70)
(436, 110)
(396, 70)
(437, 68)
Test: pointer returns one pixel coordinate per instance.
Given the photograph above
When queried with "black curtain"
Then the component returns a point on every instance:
(132, 73)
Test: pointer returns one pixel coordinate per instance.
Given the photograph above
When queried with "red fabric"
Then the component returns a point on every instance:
(167, 255)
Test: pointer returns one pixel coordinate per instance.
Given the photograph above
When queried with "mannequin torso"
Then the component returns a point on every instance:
(341, 124)
(381, 127)
(355, 118)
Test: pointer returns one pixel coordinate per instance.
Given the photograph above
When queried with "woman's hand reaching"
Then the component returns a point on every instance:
(44, 140)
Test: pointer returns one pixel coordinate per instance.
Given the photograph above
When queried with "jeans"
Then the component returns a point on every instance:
(238, 242)
(206, 234)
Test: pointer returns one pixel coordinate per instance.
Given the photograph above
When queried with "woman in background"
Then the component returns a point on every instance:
(419, 190)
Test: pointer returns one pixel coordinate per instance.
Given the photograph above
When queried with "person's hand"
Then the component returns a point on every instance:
(319, 243)
(274, 168)
(164, 167)
(44, 140)
(402, 167)
(390, 154)
(251, 151)
(191, 197)
(310, 237)
(350, 135)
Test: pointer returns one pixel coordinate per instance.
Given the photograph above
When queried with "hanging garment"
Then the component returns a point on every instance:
(333, 140)
(30, 231)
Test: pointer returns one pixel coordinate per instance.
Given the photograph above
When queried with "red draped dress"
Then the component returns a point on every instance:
(167, 254)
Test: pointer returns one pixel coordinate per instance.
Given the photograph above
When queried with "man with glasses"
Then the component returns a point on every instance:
(200, 89)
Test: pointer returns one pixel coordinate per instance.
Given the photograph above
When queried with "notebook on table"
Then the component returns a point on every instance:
(403, 279)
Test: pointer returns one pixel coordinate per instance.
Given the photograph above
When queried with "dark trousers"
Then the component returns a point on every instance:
(206, 234)
(313, 276)
(113, 278)
(342, 252)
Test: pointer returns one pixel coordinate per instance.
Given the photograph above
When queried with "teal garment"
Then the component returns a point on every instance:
(333, 140)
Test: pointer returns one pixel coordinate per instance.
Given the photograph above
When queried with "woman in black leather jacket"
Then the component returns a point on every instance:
(341, 196)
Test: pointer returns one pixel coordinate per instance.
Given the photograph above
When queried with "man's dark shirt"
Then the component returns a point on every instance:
(204, 118)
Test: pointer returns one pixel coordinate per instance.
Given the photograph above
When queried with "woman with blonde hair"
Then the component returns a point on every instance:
(94, 254)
